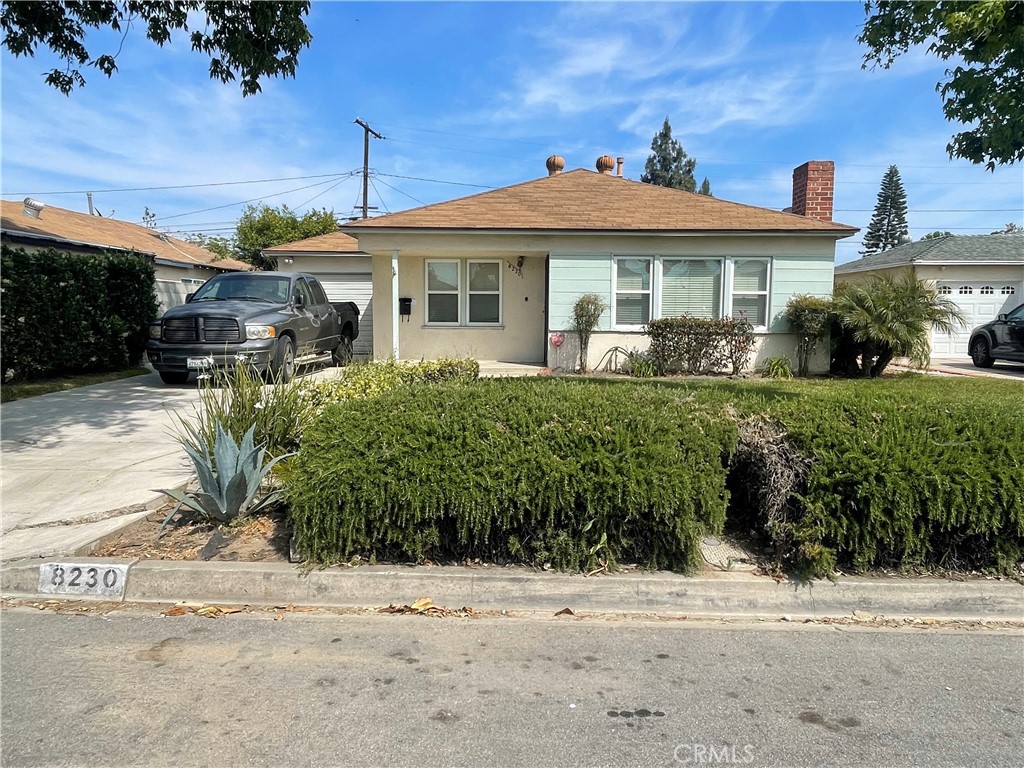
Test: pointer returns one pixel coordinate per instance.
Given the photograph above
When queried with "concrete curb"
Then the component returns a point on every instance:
(707, 595)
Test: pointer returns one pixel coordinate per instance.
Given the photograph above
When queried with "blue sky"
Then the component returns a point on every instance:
(477, 95)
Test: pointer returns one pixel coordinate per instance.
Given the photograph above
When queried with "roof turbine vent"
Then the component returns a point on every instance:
(555, 164)
(33, 208)
(605, 164)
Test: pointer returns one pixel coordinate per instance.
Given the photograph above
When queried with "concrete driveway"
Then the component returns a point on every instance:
(964, 366)
(79, 464)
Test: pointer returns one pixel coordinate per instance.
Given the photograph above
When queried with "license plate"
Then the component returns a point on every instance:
(96, 579)
(200, 363)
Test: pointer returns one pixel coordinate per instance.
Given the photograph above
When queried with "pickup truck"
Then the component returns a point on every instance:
(271, 321)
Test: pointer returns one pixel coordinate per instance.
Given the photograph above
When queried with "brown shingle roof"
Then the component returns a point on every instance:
(84, 229)
(332, 242)
(584, 200)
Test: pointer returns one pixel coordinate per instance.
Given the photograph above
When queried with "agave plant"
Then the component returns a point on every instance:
(229, 477)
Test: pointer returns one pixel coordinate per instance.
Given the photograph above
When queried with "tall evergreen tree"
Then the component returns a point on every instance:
(668, 164)
(705, 188)
(888, 227)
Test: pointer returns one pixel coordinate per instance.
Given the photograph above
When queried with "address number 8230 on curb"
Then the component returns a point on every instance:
(98, 579)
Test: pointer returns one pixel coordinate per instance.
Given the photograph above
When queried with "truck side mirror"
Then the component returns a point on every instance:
(1002, 317)
(188, 297)
(298, 301)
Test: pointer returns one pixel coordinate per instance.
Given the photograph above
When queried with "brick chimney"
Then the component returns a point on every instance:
(813, 186)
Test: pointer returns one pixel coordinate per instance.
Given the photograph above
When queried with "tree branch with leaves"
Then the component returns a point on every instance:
(247, 41)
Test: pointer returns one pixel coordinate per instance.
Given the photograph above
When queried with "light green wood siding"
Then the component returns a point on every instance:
(791, 275)
(572, 275)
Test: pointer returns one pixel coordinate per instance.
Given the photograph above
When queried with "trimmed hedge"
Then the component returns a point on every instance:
(700, 345)
(902, 479)
(70, 313)
(893, 473)
(570, 474)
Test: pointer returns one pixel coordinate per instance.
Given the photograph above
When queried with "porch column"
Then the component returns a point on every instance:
(394, 304)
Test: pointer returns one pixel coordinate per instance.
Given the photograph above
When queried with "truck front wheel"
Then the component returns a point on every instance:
(283, 366)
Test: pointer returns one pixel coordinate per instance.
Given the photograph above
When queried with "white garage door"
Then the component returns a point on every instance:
(979, 302)
(357, 288)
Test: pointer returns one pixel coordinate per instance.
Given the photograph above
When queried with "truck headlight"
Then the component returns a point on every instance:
(154, 331)
(259, 332)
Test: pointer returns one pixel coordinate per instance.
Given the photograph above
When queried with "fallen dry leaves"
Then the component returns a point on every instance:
(200, 609)
(424, 606)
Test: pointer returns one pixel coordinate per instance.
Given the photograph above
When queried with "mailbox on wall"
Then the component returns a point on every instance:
(405, 306)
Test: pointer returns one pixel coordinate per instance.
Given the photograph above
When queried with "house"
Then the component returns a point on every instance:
(344, 271)
(982, 274)
(180, 267)
(495, 275)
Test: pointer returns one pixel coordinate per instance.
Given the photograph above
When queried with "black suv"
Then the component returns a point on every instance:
(1000, 339)
(272, 321)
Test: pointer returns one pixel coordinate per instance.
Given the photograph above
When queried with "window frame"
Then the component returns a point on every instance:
(457, 293)
(499, 293)
(651, 282)
(463, 293)
(660, 282)
(767, 292)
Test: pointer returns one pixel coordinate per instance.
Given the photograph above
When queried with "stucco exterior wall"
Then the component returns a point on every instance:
(580, 263)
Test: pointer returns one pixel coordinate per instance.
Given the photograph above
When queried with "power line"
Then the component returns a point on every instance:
(176, 186)
(251, 200)
(935, 210)
(377, 192)
(414, 199)
(319, 194)
(435, 181)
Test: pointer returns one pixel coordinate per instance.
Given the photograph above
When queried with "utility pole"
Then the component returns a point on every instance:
(367, 130)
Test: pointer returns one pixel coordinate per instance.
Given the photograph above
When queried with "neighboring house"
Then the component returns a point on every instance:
(495, 275)
(344, 271)
(180, 267)
(983, 274)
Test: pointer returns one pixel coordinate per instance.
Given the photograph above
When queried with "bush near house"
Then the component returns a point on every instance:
(700, 345)
(69, 313)
(859, 474)
(568, 473)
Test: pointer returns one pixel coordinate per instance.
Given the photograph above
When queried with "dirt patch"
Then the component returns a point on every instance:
(261, 538)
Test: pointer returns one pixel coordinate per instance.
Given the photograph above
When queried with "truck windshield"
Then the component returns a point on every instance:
(247, 287)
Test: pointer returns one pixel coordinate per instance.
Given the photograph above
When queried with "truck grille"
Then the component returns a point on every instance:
(186, 330)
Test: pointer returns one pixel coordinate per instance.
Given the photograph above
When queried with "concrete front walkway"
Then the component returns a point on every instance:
(79, 464)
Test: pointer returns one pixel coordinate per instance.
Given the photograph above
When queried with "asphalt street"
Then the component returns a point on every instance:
(135, 688)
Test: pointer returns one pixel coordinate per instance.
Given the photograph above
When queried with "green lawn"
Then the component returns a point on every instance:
(19, 391)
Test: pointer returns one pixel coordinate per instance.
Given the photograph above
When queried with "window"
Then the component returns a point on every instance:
(463, 292)
(301, 289)
(443, 292)
(1008, 290)
(750, 291)
(484, 292)
(691, 287)
(945, 290)
(987, 290)
(966, 290)
(632, 291)
(318, 292)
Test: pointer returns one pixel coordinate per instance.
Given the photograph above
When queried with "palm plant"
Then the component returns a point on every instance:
(889, 317)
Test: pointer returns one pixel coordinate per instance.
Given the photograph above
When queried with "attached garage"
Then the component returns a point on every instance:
(979, 301)
(357, 288)
(344, 271)
(982, 274)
